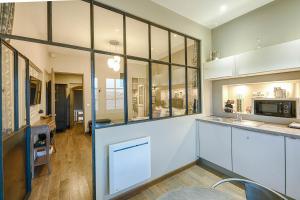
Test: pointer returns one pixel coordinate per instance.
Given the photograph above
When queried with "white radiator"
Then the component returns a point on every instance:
(129, 164)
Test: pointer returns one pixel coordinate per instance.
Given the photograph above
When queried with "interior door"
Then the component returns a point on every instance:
(61, 106)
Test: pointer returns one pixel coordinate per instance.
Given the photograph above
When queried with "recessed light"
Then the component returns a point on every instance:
(223, 8)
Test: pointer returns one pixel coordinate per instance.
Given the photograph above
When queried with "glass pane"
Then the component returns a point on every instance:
(193, 104)
(138, 90)
(137, 38)
(7, 90)
(159, 44)
(108, 33)
(160, 90)
(119, 104)
(30, 20)
(110, 104)
(22, 92)
(177, 49)
(110, 83)
(119, 83)
(119, 93)
(110, 93)
(192, 52)
(71, 22)
(110, 78)
(178, 91)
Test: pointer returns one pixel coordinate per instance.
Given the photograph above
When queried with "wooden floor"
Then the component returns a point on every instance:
(71, 176)
(194, 176)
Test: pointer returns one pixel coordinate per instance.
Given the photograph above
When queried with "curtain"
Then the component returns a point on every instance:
(6, 25)
(6, 17)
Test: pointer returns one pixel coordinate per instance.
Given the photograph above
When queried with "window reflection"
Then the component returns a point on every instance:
(108, 33)
(160, 90)
(137, 38)
(110, 89)
(177, 49)
(138, 90)
(71, 22)
(193, 99)
(159, 44)
(178, 91)
(192, 53)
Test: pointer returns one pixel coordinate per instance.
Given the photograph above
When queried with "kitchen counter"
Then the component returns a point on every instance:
(269, 128)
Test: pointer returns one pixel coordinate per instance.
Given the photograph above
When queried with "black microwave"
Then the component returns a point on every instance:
(275, 108)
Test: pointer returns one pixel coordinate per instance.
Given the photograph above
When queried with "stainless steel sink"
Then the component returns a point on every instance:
(237, 122)
(248, 123)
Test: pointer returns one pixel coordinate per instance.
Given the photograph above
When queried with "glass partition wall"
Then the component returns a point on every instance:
(140, 70)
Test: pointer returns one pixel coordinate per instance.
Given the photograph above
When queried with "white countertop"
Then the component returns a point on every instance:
(269, 128)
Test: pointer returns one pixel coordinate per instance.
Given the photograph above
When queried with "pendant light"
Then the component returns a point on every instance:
(115, 61)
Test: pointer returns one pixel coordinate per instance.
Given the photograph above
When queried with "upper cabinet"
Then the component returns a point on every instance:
(272, 59)
(221, 68)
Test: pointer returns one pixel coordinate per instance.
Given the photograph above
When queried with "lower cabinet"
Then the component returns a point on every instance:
(259, 157)
(293, 168)
(215, 143)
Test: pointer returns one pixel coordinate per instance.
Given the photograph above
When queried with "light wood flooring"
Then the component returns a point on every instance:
(194, 176)
(71, 176)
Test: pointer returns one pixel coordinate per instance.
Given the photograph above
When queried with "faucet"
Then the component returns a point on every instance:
(238, 116)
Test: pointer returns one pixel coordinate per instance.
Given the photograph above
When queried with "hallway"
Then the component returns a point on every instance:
(71, 175)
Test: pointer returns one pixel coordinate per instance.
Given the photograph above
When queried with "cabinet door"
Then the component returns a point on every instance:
(269, 59)
(293, 168)
(259, 157)
(221, 68)
(215, 144)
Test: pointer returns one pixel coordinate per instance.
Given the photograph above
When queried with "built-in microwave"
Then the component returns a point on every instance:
(276, 108)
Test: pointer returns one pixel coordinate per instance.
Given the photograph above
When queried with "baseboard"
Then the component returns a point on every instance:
(135, 191)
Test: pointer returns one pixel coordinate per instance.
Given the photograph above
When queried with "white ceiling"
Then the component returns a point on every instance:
(212, 13)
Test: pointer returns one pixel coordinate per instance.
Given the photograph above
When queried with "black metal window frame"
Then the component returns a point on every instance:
(126, 56)
(93, 52)
(26, 127)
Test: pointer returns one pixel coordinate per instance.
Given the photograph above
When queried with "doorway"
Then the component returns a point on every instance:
(69, 100)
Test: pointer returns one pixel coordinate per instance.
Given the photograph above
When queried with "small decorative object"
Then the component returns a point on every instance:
(213, 55)
(239, 104)
(229, 106)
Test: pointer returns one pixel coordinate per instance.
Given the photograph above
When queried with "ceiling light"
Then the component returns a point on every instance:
(175, 35)
(114, 63)
(223, 8)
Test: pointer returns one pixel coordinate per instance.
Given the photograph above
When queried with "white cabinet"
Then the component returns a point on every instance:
(293, 168)
(220, 68)
(215, 143)
(279, 57)
(259, 157)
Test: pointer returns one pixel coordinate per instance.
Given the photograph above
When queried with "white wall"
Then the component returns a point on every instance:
(173, 145)
(173, 141)
(38, 54)
(272, 24)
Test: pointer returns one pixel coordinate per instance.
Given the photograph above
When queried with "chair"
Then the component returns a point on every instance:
(253, 190)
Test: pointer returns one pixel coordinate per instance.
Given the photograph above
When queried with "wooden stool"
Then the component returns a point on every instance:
(43, 160)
